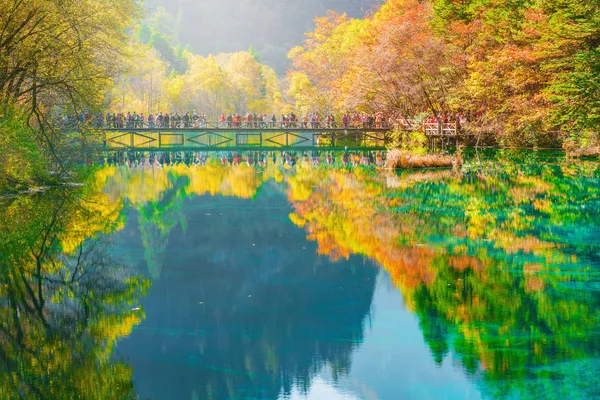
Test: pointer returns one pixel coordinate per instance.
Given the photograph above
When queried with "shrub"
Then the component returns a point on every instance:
(23, 164)
(406, 159)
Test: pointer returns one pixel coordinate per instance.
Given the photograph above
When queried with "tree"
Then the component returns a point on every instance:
(390, 61)
(402, 68)
(58, 58)
(530, 66)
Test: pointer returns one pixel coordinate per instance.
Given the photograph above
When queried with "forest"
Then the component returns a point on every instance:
(522, 73)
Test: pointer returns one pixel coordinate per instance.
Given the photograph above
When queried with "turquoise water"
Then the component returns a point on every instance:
(306, 282)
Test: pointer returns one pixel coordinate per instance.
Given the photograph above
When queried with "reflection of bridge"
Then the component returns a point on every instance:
(212, 136)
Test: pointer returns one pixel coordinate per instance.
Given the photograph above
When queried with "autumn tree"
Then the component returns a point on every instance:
(530, 66)
(316, 80)
(60, 53)
(403, 68)
(225, 83)
(390, 61)
(58, 57)
(141, 89)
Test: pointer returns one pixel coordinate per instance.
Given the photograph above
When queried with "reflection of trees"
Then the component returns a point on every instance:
(486, 261)
(500, 323)
(280, 339)
(61, 312)
(492, 262)
(156, 221)
(158, 195)
(268, 322)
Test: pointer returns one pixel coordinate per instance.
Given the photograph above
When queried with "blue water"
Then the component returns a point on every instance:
(282, 281)
(245, 308)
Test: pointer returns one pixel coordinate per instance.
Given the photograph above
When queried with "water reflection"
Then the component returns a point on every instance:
(64, 300)
(134, 159)
(500, 264)
(228, 319)
(260, 278)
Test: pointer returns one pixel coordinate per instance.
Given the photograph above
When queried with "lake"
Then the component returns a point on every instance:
(296, 278)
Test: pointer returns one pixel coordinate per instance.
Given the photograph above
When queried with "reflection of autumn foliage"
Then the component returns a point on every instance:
(149, 184)
(64, 301)
(158, 194)
(478, 256)
(343, 213)
(482, 258)
(240, 181)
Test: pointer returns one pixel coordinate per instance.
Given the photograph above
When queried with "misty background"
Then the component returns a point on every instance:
(272, 27)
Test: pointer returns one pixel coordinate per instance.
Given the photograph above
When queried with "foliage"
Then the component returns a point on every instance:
(528, 64)
(165, 77)
(524, 71)
(23, 164)
(270, 26)
(484, 260)
(54, 55)
(582, 146)
(55, 61)
(213, 85)
(168, 53)
(390, 61)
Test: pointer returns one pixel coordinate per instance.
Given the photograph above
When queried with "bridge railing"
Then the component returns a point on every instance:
(404, 125)
(235, 139)
(429, 128)
(441, 128)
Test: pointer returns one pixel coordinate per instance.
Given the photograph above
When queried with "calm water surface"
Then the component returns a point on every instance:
(306, 282)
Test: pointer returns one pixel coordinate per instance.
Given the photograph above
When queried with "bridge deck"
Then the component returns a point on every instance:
(218, 137)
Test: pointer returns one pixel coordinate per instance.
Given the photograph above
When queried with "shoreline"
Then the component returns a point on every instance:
(37, 190)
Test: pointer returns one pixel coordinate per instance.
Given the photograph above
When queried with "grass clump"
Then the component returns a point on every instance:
(405, 159)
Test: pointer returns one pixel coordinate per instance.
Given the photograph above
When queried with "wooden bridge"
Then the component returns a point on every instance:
(252, 136)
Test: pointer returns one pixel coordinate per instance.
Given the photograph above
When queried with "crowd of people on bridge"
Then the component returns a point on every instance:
(249, 121)
(290, 120)
(447, 118)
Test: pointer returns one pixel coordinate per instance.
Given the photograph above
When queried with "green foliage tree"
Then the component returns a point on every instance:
(58, 57)
(23, 164)
(168, 52)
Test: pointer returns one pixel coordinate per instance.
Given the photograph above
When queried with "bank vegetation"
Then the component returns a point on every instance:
(521, 73)
(58, 58)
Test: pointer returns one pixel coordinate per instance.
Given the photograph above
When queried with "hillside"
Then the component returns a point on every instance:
(272, 27)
